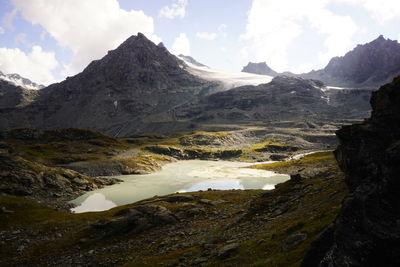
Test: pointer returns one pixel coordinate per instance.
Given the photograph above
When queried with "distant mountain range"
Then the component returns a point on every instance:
(141, 87)
(366, 66)
(17, 80)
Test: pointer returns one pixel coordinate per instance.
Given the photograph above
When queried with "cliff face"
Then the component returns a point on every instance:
(367, 230)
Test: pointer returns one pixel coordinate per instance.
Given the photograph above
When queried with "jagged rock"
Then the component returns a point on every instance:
(367, 230)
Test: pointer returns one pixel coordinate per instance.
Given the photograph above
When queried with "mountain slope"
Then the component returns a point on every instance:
(368, 65)
(284, 98)
(116, 93)
(12, 96)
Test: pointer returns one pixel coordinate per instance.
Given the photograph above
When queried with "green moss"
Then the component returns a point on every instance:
(315, 160)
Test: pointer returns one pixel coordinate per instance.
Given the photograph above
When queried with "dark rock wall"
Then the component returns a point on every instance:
(367, 230)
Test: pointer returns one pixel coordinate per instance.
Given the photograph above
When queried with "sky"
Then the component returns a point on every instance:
(48, 40)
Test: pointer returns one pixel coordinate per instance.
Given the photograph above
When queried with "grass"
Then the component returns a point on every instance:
(316, 160)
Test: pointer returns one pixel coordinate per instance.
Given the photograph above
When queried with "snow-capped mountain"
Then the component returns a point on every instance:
(228, 79)
(18, 80)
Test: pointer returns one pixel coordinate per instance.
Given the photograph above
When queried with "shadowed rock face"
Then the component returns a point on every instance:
(367, 231)
(113, 94)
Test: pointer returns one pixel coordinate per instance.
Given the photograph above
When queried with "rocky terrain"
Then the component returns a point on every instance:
(366, 232)
(48, 185)
(211, 228)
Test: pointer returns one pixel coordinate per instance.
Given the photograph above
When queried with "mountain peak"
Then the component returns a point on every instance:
(259, 68)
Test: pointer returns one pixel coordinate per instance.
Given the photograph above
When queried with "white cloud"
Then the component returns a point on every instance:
(206, 35)
(35, 65)
(1, 30)
(382, 11)
(273, 26)
(181, 45)
(177, 9)
(89, 28)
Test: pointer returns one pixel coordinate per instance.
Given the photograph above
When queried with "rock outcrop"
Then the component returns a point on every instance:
(367, 230)
(49, 185)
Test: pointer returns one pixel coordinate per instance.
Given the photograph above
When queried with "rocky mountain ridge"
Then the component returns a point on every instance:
(368, 65)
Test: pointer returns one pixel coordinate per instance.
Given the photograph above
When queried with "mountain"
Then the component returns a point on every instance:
(366, 66)
(259, 68)
(367, 232)
(131, 86)
(18, 80)
(284, 98)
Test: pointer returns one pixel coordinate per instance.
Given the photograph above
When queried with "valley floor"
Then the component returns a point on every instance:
(210, 228)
